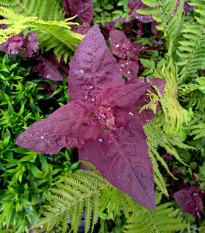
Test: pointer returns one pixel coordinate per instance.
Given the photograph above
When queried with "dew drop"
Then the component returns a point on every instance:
(100, 140)
(117, 45)
(81, 71)
(91, 87)
(130, 113)
(42, 137)
(86, 97)
(122, 65)
(127, 63)
(128, 72)
(93, 99)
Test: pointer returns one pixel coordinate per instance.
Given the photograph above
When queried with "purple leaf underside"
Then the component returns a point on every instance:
(122, 157)
(93, 68)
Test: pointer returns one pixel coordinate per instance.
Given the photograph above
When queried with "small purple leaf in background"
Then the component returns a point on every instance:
(13, 45)
(83, 8)
(137, 5)
(47, 70)
(82, 29)
(18, 45)
(189, 200)
(30, 44)
(119, 43)
(100, 122)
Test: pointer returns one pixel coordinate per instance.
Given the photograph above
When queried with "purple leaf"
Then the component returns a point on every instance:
(47, 70)
(82, 29)
(13, 45)
(122, 157)
(129, 68)
(30, 44)
(101, 125)
(93, 68)
(123, 96)
(136, 6)
(119, 43)
(83, 8)
(63, 127)
(189, 200)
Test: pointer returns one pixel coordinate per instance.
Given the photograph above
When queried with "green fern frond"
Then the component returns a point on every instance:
(170, 24)
(157, 138)
(73, 195)
(185, 89)
(175, 114)
(192, 48)
(195, 100)
(52, 34)
(47, 10)
(141, 220)
(197, 126)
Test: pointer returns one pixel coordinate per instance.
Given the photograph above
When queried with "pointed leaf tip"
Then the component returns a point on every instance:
(93, 68)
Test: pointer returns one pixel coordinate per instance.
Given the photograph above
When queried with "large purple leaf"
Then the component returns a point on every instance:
(47, 70)
(122, 157)
(62, 128)
(122, 96)
(83, 8)
(93, 68)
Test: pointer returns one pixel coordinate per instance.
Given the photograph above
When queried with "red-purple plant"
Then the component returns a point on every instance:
(102, 120)
(189, 200)
(122, 47)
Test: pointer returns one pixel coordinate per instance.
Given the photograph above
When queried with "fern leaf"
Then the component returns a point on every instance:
(192, 48)
(171, 24)
(47, 10)
(175, 114)
(157, 138)
(75, 193)
(52, 34)
(162, 219)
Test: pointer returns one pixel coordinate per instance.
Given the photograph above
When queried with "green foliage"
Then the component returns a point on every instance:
(162, 11)
(157, 138)
(25, 175)
(192, 48)
(197, 126)
(175, 114)
(162, 219)
(106, 11)
(47, 10)
(88, 191)
(53, 34)
(79, 191)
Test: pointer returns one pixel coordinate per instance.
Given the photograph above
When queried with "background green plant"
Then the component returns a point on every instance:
(26, 176)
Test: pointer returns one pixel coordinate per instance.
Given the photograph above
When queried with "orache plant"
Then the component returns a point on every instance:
(102, 120)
